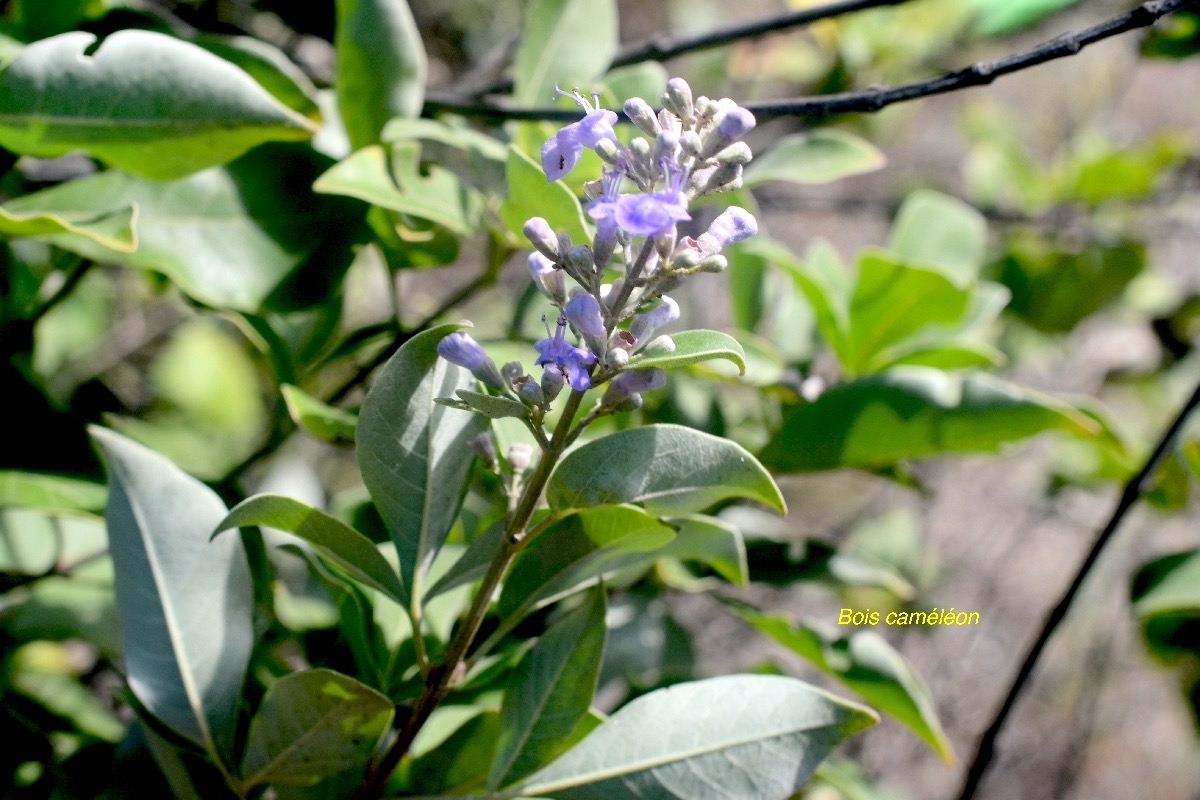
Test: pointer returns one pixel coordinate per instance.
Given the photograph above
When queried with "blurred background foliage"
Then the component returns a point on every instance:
(941, 279)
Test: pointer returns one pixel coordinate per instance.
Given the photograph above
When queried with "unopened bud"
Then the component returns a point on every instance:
(609, 151)
(564, 244)
(547, 278)
(706, 108)
(583, 312)
(678, 98)
(645, 324)
(530, 393)
(483, 447)
(640, 147)
(691, 143)
(519, 456)
(664, 244)
(616, 358)
(460, 349)
(665, 144)
(669, 122)
(541, 236)
(579, 258)
(714, 264)
(661, 346)
(631, 384)
(552, 382)
(736, 153)
(512, 372)
(610, 291)
(724, 178)
(642, 115)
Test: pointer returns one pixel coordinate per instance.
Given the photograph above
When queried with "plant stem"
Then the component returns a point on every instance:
(441, 678)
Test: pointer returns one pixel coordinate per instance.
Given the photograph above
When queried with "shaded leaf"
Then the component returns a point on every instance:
(564, 43)
(694, 347)
(184, 602)
(709, 541)
(268, 65)
(531, 195)
(346, 547)
(668, 468)
(312, 725)
(734, 736)
(940, 231)
(49, 492)
(381, 66)
(413, 452)
(493, 407)
(868, 665)
(473, 563)
(112, 229)
(818, 157)
(549, 692)
(321, 420)
(912, 412)
(147, 103)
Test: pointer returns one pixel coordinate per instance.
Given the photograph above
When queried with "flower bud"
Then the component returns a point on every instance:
(579, 258)
(610, 291)
(669, 122)
(736, 153)
(609, 151)
(632, 383)
(541, 236)
(616, 358)
(552, 382)
(678, 98)
(730, 127)
(724, 178)
(460, 349)
(519, 456)
(714, 264)
(483, 447)
(666, 144)
(530, 393)
(690, 142)
(642, 115)
(564, 244)
(706, 108)
(733, 225)
(583, 312)
(645, 324)
(603, 248)
(664, 244)
(548, 280)
(512, 372)
(660, 346)
(640, 148)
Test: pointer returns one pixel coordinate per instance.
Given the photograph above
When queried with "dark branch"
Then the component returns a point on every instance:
(1129, 497)
(662, 48)
(879, 97)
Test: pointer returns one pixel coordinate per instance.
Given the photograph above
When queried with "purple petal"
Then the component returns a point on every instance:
(583, 311)
(561, 153)
(596, 126)
(733, 225)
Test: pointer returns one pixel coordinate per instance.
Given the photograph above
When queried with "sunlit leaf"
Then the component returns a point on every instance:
(818, 157)
(564, 43)
(694, 347)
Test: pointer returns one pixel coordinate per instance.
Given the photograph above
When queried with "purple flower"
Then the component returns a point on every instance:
(736, 123)
(652, 213)
(632, 383)
(733, 225)
(546, 277)
(561, 152)
(644, 325)
(555, 350)
(460, 349)
(583, 312)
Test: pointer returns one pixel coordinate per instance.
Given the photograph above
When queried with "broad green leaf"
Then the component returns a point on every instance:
(668, 468)
(734, 736)
(184, 602)
(268, 65)
(531, 195)
(892, 301)
(709, 541)
(233, 237)
(321, 420)
(947, 355)
(913, 412)
(457, 136)
(647, 647)
(576, 551)
(647, 80)
(49, 492)
(1168, 585)
(40, 671)
(35, 542)
(112, 229)
(821, 279)
(462, 758)
(472, 565)
(693, 347)
(413, 452)
(147, 103)
(549, 692)
(390, 178)
(868, 665)
(998, 17)
(747, 283)
(381, 66)
(563, 43)
(936, 230)
(818, 157)
(312, 725)
(346, 547)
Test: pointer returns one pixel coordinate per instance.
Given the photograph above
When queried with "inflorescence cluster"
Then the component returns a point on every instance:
(690, 149)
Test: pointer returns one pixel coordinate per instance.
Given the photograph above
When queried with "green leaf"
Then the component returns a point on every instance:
(940, 231)
(49, 492)
(549, 692)
(1168, 585)
(576, 551)
(184, 602)
(531, 195)
(734, 736)
(563, 43)
(381, 66)
(321, 420)
(998, 17)
(472, 565)
(647, 80)
(457, 136)
(913, 412)
(268, 65)
(868, 665)
(712, 542)
(668, 468)
(112, 229)
(147, 103)
(822, 280)
(493, 407)
(818, 157)
(946, 355)
(892, 301)
(312, 725)
(693, 347)
(346, 547)
(391, 178)
(230, 237)
(461, 759)
(413, 452)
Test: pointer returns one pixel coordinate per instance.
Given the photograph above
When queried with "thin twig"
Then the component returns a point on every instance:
(1129, 497)
(662, 47)
(878, 97)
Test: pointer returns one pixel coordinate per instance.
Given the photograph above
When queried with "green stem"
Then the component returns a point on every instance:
(442, 678)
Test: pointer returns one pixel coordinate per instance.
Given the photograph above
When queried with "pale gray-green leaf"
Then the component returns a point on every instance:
(694, 347)
(312, 725)
(667, 468)
(349, 549)
(493, 407)
(738, 736)
(940, 231)
(818, 157)
(565, 43)
(321, 420)
(145, 102)
(184, 602)
(413, 452)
